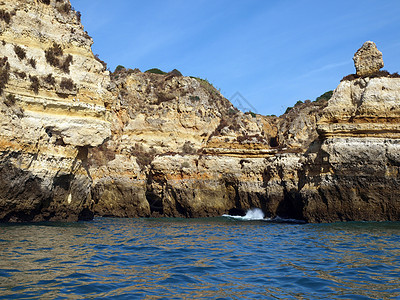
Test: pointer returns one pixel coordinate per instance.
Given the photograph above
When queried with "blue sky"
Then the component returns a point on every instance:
(272, 52)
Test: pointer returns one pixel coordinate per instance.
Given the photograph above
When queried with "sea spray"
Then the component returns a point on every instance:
(251, 214)
(256, 214)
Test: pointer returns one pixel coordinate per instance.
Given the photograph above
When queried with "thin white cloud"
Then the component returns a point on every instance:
(324, 68)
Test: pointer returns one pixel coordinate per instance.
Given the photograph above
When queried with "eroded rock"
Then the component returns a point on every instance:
(368, 59)
(51, 111)
(178, 147)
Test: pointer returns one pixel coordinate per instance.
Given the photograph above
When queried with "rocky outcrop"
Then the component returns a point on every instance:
(352, 171)
(348, 179)
(368, 59)
(76, 141)
(321, 161)
(53, 95)
(363, 107)
(165, 129)
(180, 149)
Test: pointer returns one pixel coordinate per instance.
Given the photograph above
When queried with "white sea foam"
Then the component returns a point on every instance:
(251, 214)
(256, 214)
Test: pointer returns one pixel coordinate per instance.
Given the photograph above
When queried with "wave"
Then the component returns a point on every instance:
(256, 214)
(251, 214)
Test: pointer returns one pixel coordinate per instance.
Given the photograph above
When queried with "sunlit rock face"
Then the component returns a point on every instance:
(53, 95)
(179, 150)
(352, 171)
(175, 142)
(368, 59)
(76, 141)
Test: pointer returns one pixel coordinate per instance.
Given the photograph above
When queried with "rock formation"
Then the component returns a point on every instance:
(76, 140)
(173, 139)
(197, 156)
(368, 59)
(53, 92)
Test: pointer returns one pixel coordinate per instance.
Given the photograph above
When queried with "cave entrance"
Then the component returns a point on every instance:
(155, 203)
(273, 142)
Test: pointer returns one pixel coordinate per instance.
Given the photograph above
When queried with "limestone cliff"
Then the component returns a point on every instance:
(164, 127)
(53, 92)
(76, 140)
(353, 171)
(180, 149)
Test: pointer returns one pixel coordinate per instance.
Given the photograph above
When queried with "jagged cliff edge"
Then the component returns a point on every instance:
(75, 141)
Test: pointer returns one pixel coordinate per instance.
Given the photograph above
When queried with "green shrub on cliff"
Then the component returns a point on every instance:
(156, 71)
(54, 56)
(34, 84)
(205, 84)
(5, 16)
(49, 79)
(32, 62)
(21, 75)
(104, 64)
(194, 98)
(78, 16)
(298, 103)
(20, 52)
(66, 63)
(67, 84)
(64, 8)
(119, 68)
(325, 96)
(288, 109)
(10, 100)
(254, 115)
(377, 74)
(175, 72)
(4, 73)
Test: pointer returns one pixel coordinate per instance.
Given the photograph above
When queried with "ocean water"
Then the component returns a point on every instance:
(216, 258)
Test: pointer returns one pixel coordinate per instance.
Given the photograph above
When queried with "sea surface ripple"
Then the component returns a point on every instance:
(216, 258)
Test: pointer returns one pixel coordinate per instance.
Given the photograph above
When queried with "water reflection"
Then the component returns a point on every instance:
(211, 258)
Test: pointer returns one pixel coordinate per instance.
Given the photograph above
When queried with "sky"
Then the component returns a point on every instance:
(266, 54)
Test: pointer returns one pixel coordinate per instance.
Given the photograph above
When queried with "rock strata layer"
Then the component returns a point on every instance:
(53, 93)
(77, 141)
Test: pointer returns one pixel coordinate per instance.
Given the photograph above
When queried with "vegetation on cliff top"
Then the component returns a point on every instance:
(378, 74)
(321, 100)
(104, 64)
(156, 71)
(213, 91)
(208, 86)
(325, 96)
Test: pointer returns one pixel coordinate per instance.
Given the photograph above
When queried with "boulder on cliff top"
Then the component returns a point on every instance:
(368, 59)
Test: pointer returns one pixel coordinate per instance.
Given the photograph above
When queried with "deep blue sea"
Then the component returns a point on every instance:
(216, 258)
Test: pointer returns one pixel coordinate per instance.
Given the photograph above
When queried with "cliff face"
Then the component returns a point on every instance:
(173, 139)
(322, 161)
(75, 141)
(352, 172)
(180, 149)
(52, 110)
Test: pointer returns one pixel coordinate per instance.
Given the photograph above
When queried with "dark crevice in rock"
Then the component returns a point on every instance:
(236, 212)
(154, 199)
(63, 181)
